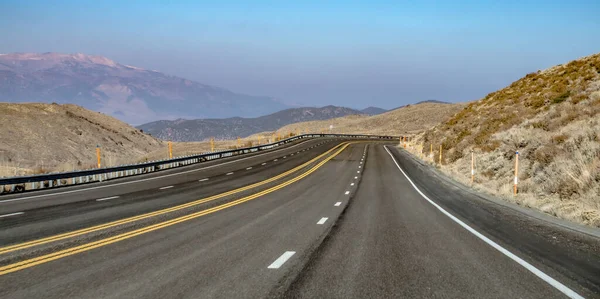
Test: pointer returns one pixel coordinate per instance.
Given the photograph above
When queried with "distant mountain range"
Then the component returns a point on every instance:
(230, 128)
(373, 110)
(129, 93)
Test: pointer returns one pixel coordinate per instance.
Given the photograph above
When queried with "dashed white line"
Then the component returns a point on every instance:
(284, 157)
(551, 281)
(166, 187)
(248, 168)
(281, 260)
(275, 160)
(263, 164)
(337, 204)
(352, 184)
(107, 198)
(229, 173)
(322, 221)
(11, 214)
(347, 192)
(359, 166)
(358, 171)
(202, 180)
(355, 177)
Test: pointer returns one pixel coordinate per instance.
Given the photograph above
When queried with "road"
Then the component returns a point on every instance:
(335, 220)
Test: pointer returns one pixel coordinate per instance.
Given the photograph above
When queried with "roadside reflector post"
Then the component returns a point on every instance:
(170, 150)
(212, 144)
(98, 156)
(239, 143)
(440, 154)
(431, 151)
(516, 172)
(472, 167)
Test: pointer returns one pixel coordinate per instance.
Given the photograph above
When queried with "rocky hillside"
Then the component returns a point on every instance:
(552, 118)
(50, 137)
(128, 93)
(231, 128)
(410, 119)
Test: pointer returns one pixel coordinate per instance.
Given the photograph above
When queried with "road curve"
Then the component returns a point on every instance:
(346, 223)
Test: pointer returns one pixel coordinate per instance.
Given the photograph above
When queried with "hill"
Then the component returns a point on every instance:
(552, 118)
(231, 128)
(132, 94)
(373, 110)
(51, 137)
(410, 119)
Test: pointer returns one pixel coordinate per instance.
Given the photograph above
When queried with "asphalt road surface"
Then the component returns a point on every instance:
(317, 219)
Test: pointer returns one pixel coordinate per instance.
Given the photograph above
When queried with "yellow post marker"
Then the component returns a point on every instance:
(472, 167)
(516, 172)
(212, 144)
(98, 155)
(440, 154)
(431, 151)
(239, 143)
(170, 150)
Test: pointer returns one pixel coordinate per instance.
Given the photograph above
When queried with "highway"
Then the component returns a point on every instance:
(323, 218)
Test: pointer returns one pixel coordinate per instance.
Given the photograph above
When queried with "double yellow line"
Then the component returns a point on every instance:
(85, 247)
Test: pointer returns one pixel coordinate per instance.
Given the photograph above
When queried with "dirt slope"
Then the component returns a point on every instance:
(552, 118)
(49, 137)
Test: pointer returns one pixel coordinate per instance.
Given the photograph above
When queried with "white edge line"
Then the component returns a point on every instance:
(146, 179)
(202, 180)
(12, 214)
(545, 277)
(337, 204)
(165, 187)
(322, 221)
(281, 260)
(229, 173)
(107, 198)
(248, 168)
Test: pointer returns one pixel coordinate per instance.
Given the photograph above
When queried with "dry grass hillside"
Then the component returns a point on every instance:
(552, 118)
(36, 138)
(410, 119)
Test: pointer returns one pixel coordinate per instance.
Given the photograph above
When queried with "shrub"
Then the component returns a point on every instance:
(562, 97)
(544, 155)
(560, 139)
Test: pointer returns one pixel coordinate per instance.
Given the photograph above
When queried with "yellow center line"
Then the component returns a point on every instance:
(89, 246)
(79, 232)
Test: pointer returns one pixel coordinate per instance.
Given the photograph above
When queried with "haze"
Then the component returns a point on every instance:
(374, 53)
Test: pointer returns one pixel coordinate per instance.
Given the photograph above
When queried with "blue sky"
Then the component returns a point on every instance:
(351, 53)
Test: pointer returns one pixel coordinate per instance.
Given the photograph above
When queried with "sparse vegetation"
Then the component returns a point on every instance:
(551, 118)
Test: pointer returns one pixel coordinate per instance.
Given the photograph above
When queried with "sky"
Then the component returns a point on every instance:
(315, 53)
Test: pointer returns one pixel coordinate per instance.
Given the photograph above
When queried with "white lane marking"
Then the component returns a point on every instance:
(281, 260)
(545, 277)
(229, 173)
(337, 204)
(107, 198)
(202, 180)
(275, 160)
(284, 157)
(347, 192)
(146, 179)
(352, 184)
(359, 166)
(12, 214)
(248, 168)
(355, 177)
(360, 162)
(264, 164)
(291, 154)
(322, 220)
(358, 171)
(166, 187)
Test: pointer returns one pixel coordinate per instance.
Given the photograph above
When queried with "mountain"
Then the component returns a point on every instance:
(410, 119)
(373, 110)
(230, 128)
(433, 101)
(40, 137)
(552, 118)
(129, 93)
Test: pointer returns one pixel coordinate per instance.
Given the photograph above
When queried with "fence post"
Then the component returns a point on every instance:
(516, 172)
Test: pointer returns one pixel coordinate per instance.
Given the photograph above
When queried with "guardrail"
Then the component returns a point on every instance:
(53, 180)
